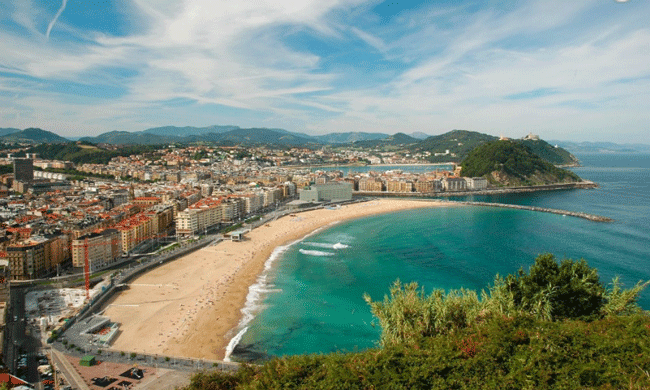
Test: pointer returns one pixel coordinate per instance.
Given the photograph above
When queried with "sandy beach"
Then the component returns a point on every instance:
(191, 306)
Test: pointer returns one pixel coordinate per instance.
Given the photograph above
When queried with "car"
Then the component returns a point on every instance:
(15, 318)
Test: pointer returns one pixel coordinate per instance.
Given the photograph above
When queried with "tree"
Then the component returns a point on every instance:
(549, 292)
(568, 290)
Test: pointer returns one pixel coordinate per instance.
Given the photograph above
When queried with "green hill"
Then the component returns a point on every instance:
(554, 327)
(461, 142)
(550, 153)
(71, 151)
(458, 142)
(33, 135)
(512, 163)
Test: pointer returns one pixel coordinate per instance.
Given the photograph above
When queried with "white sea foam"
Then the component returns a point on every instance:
(338, 245)
(233, 343)
(315, 253)
(253, 298)
(257, 290)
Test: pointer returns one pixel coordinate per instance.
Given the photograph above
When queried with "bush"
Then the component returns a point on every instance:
(523, 332)
(568, 290)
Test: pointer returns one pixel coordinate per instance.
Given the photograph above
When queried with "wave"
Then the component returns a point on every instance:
(315, 253)
(253, 297)
(255, 293)
(338, 245)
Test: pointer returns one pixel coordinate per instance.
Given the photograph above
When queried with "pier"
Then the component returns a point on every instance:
(591, 217)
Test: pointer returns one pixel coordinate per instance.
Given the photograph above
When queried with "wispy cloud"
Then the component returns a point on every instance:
(56, 17)
(316, 66)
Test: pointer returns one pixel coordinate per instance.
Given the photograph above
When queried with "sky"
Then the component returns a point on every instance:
(575, 70)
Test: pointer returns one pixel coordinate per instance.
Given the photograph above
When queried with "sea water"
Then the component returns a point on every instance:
(311, 299)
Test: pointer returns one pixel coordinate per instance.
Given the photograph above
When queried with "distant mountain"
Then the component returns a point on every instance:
(126, 138)
(419, 135)
(395, 140)
(349, 137)
(254, 136)
(173, 131)
(34, 136)
(512, 163)
(8, 130)
(601, 147)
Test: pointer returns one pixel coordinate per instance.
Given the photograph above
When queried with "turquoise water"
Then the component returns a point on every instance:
(312, 298)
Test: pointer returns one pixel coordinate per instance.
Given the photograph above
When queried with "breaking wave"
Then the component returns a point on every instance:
(315, 253)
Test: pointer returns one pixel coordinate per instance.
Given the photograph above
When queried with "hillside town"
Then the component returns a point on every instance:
(48, 221)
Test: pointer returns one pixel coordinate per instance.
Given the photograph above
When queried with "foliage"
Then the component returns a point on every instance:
(515, 160)
(71, 151)
(459, 142)
(622, 302)
(549, 153)
(500, 353)
(408, 314)
(525, 332)
(231, 228)
(551, 291)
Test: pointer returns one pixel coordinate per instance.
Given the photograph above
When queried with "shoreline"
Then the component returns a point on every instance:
(194, 306)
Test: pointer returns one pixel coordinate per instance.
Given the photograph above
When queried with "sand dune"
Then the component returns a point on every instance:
(191, 307)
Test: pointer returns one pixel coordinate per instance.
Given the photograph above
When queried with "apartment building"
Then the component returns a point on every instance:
(399, 186)
(104, 249)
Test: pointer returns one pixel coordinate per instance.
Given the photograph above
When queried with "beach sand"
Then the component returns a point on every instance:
(191, 306)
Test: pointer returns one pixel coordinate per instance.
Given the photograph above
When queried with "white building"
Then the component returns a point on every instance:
(476, 183)
(451, 184)
(336, 191)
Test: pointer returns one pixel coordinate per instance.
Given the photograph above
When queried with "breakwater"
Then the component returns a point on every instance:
(591, 217)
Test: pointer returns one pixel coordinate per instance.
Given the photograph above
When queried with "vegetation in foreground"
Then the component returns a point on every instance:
(556, 326)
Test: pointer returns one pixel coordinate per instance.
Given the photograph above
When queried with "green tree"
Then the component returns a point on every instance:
(570, 289)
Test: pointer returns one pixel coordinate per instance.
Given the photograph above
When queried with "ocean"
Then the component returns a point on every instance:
(311, 299)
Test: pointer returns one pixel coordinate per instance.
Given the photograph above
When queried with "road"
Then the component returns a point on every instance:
(19, 337)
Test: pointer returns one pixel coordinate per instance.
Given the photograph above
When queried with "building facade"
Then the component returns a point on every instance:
(335, 191)
(104, 249)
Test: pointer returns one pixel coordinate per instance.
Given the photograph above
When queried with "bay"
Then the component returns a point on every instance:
(316, 304)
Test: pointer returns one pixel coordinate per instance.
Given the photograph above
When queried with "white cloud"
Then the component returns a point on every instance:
(56, 16)
(455, 68)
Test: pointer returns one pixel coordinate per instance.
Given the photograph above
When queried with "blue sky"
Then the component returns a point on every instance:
(570, 70)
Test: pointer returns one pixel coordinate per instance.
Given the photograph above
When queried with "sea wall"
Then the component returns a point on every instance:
(591, 217)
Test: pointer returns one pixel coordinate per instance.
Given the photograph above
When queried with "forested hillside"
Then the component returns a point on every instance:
(80, 153)
(512, 163)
